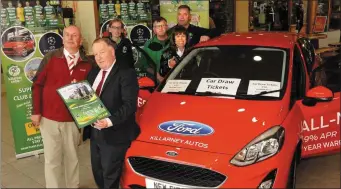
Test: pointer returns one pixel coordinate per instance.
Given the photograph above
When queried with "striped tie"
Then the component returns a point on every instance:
(71, 63)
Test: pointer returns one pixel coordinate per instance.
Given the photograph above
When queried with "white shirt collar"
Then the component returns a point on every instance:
(67, 53)
(179, 52)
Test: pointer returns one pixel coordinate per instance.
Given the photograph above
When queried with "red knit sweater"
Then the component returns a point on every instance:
(53, 74)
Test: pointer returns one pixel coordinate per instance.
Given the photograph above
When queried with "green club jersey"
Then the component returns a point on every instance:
(49, 12)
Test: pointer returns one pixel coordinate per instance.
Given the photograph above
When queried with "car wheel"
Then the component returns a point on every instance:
(24, 52)
(292, 174)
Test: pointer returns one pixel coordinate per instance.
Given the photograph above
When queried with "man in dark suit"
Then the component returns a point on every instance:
(111, 137)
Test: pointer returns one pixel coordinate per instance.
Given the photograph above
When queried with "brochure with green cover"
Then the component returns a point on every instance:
(83, 103)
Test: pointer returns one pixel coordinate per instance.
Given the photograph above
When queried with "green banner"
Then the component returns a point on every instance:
(199, 11)
(21, 54)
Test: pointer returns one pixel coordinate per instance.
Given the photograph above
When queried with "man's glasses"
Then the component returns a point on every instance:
(115, 28)
(160, 26)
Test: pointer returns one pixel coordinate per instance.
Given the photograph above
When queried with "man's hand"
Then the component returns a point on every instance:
(101, 124)
(159, 77)
(36, 119)
(171, 63)
(204, 38)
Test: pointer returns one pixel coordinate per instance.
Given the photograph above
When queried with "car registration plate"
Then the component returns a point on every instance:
(159, 184)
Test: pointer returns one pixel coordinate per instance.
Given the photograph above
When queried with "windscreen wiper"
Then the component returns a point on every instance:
(180, 92)
(209, 93)
(265, 92)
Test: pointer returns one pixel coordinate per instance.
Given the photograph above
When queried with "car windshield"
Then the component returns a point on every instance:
(248, 72)
(18, 39)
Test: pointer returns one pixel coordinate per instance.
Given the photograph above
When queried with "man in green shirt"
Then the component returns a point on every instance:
(38, 11)
(4, 19)
(103, 12)
(49, 11)
(156, 45)
(11, 12)
(28, 12)
(111, 9)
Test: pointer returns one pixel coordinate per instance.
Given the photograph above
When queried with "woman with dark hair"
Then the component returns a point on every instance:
(172, 55)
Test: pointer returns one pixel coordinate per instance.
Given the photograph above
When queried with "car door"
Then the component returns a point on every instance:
(321, 122)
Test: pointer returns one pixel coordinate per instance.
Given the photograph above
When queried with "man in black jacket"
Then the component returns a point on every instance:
(124, 50)
(196, 34)
(110, 138)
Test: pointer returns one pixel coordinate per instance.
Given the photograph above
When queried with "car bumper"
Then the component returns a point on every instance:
(250, 176)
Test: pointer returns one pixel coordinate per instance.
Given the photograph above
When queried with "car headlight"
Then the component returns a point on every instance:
(264, 146)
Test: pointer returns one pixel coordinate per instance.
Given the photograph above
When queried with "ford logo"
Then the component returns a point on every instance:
(172, 153)
(189, 128)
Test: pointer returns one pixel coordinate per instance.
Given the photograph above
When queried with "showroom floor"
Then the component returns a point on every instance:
(322, 172)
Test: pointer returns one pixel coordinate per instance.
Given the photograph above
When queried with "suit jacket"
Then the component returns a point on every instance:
(119, 95)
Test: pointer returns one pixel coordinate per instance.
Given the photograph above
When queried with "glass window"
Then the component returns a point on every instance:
(18, 39)
(328, 74)
(322, 8)
(308, 52)
(231, 70)
(335, 16)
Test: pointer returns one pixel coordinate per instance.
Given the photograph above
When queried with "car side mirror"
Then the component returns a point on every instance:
(146, 83)
(318, 94)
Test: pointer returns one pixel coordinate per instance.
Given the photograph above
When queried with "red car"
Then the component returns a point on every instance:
(19, 46)
(240, 110)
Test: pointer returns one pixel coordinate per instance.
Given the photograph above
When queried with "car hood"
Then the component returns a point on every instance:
(211, 124)
(13, 44)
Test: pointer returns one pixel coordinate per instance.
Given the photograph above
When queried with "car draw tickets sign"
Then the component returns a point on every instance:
(21, 53)
(83, 103)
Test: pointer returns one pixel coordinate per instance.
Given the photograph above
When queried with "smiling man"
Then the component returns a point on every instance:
(59, 132)
(196, 34)
(110, 138)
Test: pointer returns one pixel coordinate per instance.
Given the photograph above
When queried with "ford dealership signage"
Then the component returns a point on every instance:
(189, 128)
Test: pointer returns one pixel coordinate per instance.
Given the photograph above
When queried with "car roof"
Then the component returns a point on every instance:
(269, 39)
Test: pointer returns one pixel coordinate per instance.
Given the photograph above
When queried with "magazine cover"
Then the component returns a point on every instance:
(83, 103)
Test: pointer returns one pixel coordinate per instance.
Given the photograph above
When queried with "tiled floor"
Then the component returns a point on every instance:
(322, 172)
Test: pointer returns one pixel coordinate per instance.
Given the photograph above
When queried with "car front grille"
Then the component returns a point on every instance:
(176, 173)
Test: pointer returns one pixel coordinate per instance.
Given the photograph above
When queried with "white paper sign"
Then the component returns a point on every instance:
(159, 184)
(219, 85)
(176, 86)
(257, 86)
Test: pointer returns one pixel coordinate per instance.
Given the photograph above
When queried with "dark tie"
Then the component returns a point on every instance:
(100, 84)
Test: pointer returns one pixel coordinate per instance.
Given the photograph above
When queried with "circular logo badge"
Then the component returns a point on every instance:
(18, 43)
(140, 34)
(49, 42)
(13, 70)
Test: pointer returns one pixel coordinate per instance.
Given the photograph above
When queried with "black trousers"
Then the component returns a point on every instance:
(107, 162)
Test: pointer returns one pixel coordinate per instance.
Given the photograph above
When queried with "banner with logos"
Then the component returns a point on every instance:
(21, 53)
(199, 11)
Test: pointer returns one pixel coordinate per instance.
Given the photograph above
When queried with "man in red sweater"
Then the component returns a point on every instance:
(59, 132)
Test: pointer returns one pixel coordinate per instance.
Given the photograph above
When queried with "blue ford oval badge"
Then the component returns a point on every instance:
(189, 128)
(172, 153)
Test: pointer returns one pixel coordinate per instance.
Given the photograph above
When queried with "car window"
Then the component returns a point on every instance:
(17, 39)
(329, 73)
(308, 52)
(144, 65)
(230, 70)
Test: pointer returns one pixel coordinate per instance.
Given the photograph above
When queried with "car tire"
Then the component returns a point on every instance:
(24, 53)
(292, 174)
